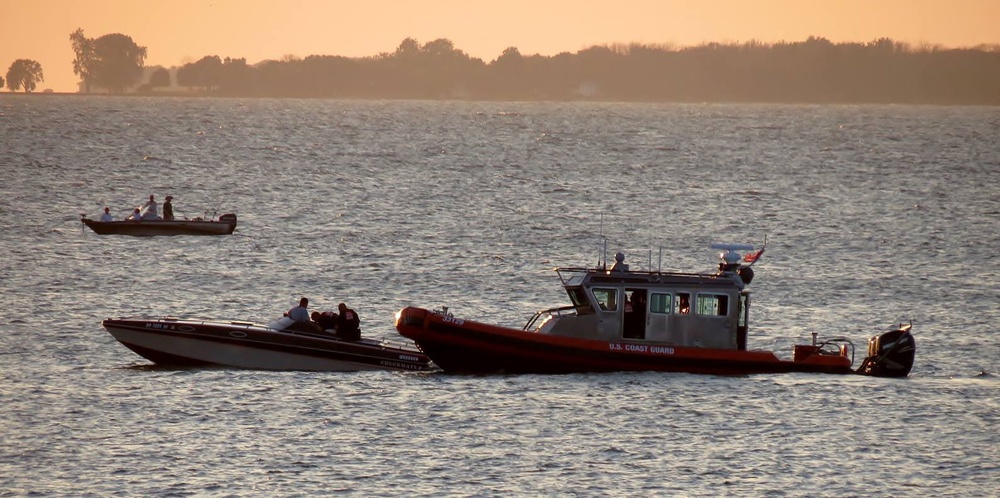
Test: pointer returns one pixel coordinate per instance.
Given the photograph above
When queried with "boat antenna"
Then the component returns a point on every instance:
(649, 235)
(602, 247)
(605, 250)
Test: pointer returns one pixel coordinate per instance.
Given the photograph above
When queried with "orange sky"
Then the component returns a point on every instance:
(180, 31)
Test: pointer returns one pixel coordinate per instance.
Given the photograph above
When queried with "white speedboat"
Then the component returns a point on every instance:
(280, 345)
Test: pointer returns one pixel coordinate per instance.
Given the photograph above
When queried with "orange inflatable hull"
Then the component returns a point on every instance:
(464, 346)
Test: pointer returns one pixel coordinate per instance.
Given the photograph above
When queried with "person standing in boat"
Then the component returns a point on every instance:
(107, 215)
(149, 209)
(300, 313)
(168, 209)
(348, 323)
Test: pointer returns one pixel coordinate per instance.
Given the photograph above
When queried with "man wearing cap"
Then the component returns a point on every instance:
(168, 209)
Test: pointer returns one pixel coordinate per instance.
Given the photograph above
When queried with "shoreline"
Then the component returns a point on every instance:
(185, 94)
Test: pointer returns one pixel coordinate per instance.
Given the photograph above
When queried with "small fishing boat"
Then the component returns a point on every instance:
(225, 225)
(622, 320)
(280, 345)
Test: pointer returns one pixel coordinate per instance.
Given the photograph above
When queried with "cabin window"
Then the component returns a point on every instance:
(577, 296)
(579, 299)
(713, 304)
(607, 299)
(743, 310)
(683, 303)
(660, 303)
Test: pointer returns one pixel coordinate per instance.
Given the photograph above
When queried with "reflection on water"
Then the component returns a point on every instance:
(873, 216)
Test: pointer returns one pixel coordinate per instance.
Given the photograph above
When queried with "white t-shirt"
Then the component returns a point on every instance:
(150, 210)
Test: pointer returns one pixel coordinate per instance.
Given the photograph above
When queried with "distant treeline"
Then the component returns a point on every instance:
(815, 70)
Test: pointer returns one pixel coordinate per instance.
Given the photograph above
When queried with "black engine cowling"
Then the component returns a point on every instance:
(890, 354)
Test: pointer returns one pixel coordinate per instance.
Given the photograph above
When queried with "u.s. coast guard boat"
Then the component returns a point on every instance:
(622, 320)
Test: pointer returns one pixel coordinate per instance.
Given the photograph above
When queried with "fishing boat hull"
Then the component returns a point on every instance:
(192, 343)
(464, 346)
(225, 225)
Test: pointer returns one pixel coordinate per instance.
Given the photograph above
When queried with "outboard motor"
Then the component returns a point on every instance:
(890, 354)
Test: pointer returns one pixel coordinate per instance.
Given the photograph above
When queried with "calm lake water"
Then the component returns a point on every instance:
(873, 216)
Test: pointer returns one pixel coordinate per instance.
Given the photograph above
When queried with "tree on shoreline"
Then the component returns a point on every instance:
(159, 78)
(84, 62)
(113, 61)
(24, 73)
(206, 73)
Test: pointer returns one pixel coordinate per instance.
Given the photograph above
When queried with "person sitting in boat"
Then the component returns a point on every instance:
(300, 313)
(327, 320)
(168, 209)
(348, 323)
(107, 215)
(301, 321)
(136, 215)
(149, 210)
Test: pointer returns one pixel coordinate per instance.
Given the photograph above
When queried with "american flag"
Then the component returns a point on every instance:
(754, 256)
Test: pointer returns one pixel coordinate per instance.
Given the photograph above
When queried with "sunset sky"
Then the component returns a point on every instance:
(180, 31)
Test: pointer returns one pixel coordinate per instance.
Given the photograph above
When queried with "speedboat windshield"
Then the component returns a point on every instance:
(281, 323)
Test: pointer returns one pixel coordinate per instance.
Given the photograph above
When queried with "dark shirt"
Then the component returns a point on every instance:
(168, 211)
(327, 320)
(348, 325)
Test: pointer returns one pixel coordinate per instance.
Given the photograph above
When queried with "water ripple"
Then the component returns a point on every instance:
(873, 215)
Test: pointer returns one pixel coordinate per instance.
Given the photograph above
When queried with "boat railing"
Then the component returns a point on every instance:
(575, 276)
(836, 346)
(551, 311)
(198, 320)
(386, 343)
(330, 334)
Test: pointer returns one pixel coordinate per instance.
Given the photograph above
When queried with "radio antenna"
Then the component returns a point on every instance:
(602, 247)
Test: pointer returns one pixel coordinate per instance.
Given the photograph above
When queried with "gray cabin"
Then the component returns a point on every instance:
(662, 308)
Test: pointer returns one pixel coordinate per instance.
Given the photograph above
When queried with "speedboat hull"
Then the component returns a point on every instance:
(464, 346)
(188, 343)
(225, 225)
